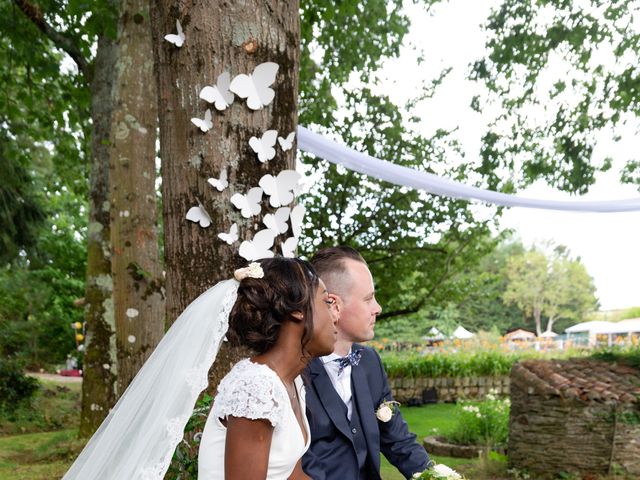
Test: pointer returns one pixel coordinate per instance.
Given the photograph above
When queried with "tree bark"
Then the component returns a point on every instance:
(536, 317)
(98, 386)
(220, 36)
(138, 296)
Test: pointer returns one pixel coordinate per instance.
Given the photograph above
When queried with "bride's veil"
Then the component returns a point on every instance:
(140, 434)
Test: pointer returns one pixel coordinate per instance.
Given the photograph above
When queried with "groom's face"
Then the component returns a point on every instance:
(357, 304)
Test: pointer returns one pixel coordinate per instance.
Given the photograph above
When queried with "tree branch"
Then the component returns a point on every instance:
(35, 15)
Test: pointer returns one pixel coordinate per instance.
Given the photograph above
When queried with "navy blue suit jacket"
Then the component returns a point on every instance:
(332, 455)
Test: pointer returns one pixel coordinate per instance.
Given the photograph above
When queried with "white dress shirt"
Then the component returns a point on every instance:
(342, 382)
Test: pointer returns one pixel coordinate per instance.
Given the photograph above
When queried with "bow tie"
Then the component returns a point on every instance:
(352, 359)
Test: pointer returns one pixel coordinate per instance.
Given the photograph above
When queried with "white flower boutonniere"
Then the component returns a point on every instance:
(385, 411)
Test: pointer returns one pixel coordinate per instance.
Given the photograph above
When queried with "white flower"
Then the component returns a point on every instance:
(446, 472)
(417, 475)
(254, 270)
(384, 413)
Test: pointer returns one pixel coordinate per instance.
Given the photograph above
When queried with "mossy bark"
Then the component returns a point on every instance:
(138, 293)
(220, 36)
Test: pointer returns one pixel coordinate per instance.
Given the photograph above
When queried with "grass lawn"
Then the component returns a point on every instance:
(56, 406)
(37, 456)
(422, 421)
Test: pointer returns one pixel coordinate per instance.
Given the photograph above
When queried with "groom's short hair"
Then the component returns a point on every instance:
(330, 265)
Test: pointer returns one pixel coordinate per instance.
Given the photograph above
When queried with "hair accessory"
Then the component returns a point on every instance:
(253, 270)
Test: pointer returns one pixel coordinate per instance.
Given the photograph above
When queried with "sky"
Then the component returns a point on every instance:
(607, 243)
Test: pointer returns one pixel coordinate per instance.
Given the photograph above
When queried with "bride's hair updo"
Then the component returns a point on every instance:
(289, 285)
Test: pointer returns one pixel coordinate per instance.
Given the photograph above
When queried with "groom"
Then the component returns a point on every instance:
(343, 396)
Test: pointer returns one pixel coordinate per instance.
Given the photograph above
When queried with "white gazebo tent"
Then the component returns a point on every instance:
(461, 333)
(611, 329)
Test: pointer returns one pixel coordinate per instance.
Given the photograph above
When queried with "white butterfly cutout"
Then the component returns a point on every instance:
(287, 143)
(281, 189)
(199, 215)
(296, 217)
(248, 204)
(177, 40)
(277, 221)
(219, 183)
(230, 237)
(259, 247)
(288, 247)
(205, 124)
(255, 87)
(219, 94)
(264, 146)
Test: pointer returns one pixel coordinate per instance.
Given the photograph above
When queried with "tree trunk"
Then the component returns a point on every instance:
(550, 324)
(98, 385)
(220, 36)
(138, 298)
(536, 317)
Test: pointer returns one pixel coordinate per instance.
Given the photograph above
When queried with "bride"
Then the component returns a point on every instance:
(257, 427)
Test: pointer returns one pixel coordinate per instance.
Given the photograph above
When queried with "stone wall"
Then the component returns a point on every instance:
(548, 435)
(416, 391)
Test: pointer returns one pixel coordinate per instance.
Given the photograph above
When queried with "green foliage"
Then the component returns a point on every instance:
(629, 355)
(483, 423)
(458, 364)
(184, 464)
(414, 242)
(546, 57)
(54, 406)
(38, 290)
(632, 312)
(554, 285)
(16, 389)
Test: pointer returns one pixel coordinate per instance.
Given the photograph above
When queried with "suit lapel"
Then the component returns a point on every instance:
(362, 397)
(328, 397)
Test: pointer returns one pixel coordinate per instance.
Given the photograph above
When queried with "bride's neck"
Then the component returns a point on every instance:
(285, 357)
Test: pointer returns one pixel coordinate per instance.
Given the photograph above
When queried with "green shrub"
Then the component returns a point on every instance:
(461, 364)
(184, 464)
(483, 423)
(16, 389)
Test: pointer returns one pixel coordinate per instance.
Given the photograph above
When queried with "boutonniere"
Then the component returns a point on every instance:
(386, 409)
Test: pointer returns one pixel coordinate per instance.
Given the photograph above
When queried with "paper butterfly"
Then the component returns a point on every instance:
(230, 237)
(259, 247)
(289, 246)
(277, 221)
(282, 188)
(287, 143)
(177, 40)
(248, 204)
(205, 124)
(219, 94)
(199, 215)
(219, 183)
(297, 214)
(255, 87)
(264, 146)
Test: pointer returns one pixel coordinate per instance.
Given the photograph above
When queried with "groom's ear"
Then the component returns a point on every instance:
(337, 302)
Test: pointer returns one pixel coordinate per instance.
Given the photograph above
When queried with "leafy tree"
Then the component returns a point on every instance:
(563, 75)
(557, 287)
(483, 307)
(415, 243)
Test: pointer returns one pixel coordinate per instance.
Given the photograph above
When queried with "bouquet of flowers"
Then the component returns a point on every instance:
(438, 472)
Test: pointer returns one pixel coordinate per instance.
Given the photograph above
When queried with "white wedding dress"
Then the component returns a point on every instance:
(254, 391)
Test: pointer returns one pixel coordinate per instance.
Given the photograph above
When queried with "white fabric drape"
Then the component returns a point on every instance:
(333, 152)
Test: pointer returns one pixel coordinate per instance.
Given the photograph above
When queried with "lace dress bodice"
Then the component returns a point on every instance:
(254, 391)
